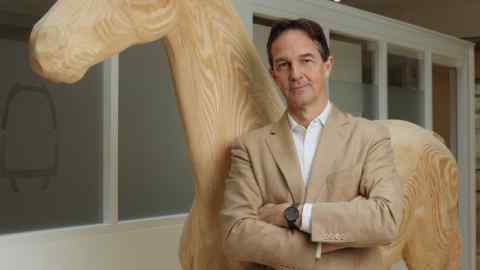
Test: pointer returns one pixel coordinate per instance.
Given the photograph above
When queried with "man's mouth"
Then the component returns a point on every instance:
(297, 87)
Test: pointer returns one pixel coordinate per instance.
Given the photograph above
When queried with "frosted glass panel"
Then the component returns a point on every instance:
(50, 145)
(155, 174)
(353, 82)
(406, 104)
(406, 96)
(356, 98)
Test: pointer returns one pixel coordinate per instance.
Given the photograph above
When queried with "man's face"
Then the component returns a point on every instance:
(299, 71)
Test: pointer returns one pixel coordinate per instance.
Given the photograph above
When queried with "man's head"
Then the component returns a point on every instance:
(300, 63)
(312, 29)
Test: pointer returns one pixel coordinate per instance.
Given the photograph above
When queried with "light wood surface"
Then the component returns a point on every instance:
(223, 91)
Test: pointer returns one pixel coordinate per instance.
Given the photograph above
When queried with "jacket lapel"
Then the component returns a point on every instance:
(284, 153)
(332, 138)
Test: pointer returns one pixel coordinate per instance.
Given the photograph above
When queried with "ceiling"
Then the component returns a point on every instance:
(379, 5)
(457, 17)
(38, 7)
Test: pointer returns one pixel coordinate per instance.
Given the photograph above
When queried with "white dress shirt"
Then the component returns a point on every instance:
(306, 141)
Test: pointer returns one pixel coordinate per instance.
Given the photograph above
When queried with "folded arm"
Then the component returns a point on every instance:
(247, 237)
(372, 218)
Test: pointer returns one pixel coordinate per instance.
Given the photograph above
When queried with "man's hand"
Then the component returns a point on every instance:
(273, 214)
(327, 248)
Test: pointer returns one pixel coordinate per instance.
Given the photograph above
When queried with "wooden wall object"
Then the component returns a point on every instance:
(223, 90)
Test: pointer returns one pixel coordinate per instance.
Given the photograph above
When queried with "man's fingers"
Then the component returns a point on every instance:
(326, 248)
(265, 209)
(267, 206)
(267, 213)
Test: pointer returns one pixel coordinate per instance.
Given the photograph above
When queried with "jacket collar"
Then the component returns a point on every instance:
(282, 147)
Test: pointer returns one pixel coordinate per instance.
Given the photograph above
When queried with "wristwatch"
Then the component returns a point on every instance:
(291, 214)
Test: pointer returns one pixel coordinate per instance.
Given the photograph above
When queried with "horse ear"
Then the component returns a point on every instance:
(152, 18)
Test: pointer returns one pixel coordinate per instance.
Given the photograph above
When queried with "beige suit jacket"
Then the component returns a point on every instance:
(354, 187)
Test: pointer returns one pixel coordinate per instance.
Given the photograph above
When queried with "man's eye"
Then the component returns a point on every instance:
(307, 60)
(281, 65)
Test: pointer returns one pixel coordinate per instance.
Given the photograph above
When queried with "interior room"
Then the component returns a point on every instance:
(98, 174)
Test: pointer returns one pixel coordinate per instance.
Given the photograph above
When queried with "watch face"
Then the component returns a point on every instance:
(291, 213)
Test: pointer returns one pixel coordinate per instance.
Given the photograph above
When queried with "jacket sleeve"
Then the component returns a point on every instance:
(248, 239)
(374, 217)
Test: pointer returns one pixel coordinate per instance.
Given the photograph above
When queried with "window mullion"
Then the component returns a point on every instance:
(110, 140)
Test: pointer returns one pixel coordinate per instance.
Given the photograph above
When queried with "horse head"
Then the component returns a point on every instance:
(75, 35)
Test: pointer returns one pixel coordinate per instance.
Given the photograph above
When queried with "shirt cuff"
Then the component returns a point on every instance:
(306, 218)
(318, 253)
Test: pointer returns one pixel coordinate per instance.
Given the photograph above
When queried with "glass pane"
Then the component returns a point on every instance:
(261, 31)
(50, 144)
(444, 101)
(406, 96)
(353, 83)
(155, 174)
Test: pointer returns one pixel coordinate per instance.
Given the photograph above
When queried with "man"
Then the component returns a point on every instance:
(318, 189)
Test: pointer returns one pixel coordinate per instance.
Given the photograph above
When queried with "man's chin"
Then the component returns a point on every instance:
(298, 103)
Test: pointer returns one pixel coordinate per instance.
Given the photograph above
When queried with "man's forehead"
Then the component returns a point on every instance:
(293, 45)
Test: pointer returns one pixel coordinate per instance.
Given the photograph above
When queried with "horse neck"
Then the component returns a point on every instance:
(217, 71)
(221, 87)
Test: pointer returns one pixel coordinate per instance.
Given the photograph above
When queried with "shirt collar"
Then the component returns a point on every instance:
(321, 118)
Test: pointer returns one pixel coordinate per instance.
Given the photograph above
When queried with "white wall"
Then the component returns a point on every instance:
(153, 246)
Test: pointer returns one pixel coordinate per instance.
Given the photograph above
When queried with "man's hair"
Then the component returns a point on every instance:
(310, 28)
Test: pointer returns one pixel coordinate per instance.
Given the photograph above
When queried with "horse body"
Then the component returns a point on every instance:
(429, 234)
(223, 91)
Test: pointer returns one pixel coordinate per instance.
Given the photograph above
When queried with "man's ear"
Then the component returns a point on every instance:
(328, 65)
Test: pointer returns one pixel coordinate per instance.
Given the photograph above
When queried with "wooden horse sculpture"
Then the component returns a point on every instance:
(223, 91)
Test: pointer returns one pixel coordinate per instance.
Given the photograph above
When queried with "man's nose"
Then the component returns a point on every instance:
(295, 72)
